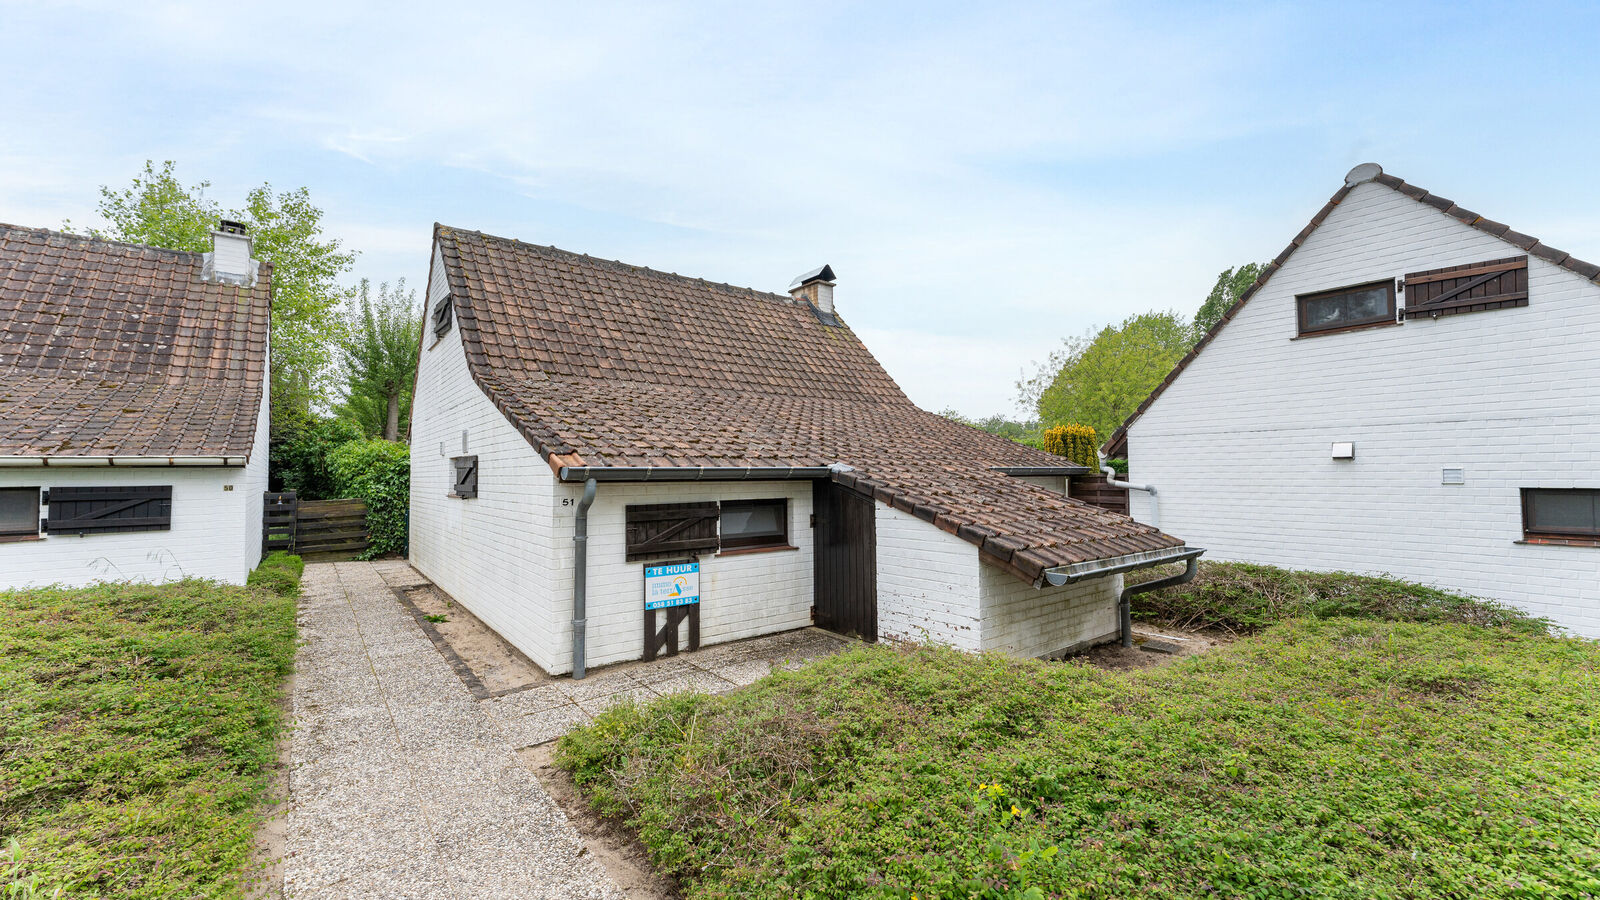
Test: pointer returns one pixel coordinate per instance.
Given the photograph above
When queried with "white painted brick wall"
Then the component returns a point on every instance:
(927, 583)
(1021, 619)
(1239, 444)
(491, 553)
(215, 533)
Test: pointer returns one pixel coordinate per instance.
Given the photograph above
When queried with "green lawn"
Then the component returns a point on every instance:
(1321, 757)
(138, 725)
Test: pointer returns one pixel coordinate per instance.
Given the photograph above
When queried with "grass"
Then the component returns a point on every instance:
(1321, 757)
(138, 725)
(1244, 598)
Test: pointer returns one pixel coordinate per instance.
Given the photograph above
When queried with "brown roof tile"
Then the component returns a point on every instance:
(599, 363)
(111, 349)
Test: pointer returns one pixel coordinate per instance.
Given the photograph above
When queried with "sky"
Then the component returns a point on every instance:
(985, 179)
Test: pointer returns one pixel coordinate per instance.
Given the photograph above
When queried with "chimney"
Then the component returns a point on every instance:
(229, 260)
(816, 288)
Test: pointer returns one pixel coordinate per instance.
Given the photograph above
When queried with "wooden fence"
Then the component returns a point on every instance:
(317, 530)
(1093, 490)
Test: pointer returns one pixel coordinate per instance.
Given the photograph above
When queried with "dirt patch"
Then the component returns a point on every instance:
(1153, 648)
(498, 665)
(614, 846)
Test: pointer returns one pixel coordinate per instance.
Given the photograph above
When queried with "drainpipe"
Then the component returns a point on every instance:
(580, 579)
(1111, 479)
(1125, 600)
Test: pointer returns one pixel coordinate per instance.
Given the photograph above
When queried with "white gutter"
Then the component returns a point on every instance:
(1155, 506)
(103, 461)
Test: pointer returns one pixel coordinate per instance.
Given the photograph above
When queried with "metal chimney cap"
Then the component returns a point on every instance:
(228, 226)
(822, 273)
(1363, 173)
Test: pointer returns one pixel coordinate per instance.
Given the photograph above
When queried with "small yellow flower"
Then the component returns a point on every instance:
(1015, 811)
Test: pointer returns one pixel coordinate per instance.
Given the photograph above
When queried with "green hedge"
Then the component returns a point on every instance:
(280, 573)
(378, 472)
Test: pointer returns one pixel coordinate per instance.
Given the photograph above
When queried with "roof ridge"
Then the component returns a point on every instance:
(1361, 174)
(785, 298)
(7, 226)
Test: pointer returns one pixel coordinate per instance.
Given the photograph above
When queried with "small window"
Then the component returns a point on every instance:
(1556, 514)
(443, 315)
(748, 524)
(19, 512)
(466, 477)
(1351, 307)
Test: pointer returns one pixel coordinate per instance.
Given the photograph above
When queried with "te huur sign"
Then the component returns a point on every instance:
(672, 592)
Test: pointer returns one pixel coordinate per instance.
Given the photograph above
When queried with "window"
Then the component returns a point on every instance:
(1351, 307)
(671, 529)
(747, 524)
(109, 510)
(1557, 514)
(443, 312)
(466, 477)
(19, 512)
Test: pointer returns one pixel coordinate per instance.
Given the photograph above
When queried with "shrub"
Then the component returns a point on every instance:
(1246, 598)
(378, 472)
(280, 573)
(1075, 442)
(298, 457)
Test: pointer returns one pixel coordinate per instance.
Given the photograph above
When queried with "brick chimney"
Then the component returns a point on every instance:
(816, 287)
(229, 260)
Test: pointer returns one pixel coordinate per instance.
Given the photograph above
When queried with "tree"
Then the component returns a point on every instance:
(1099, 378)
(1224, 294)
(379, 359)
(156, 209)
(1010, 429)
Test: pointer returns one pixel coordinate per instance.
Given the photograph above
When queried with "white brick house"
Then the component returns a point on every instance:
(748, 433)
(1474, 414)
(133, 409)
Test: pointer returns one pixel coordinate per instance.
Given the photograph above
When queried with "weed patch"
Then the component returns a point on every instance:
(137, 727)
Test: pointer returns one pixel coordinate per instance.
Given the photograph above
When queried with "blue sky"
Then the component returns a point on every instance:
(985, 179)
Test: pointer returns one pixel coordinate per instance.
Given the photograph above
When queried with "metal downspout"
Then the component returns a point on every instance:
(580, 579)
(1125, 600)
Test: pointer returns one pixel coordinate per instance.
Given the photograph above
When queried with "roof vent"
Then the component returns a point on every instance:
(229, 261)
(816, 287)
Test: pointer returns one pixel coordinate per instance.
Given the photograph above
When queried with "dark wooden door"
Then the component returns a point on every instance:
(846, 568)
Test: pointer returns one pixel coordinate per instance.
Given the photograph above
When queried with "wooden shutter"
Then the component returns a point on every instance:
(466, 477)
(671, 528)
(104, 510)
(1475, 287)
(442, 316)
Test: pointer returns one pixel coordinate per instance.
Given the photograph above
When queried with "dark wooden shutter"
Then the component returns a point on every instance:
(466, 477)
(671, 528)
(442, 316)
(104, 510)
(1475, 287)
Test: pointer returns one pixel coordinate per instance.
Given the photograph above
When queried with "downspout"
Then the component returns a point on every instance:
(1125, 600)
(1111, 479)
(580, 579)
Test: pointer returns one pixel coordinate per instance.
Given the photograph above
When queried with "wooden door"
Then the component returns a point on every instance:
(846, 582)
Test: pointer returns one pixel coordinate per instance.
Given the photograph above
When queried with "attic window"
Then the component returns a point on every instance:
(442, 316)
(1475, 287)
(1347, 308)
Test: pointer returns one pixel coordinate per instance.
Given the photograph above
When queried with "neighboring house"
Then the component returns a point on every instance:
(133, 409)
(748, 433)
(1409, 388)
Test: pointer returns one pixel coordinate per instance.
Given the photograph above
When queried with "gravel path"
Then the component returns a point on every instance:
(402, 785)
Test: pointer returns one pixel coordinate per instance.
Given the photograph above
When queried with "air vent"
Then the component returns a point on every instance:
(1453, 476)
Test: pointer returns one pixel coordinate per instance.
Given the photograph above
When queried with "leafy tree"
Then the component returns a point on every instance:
(379, 359)
(299, 451)
(1097, 379)
(1010, 429)
(1224, 294)
(307, 300)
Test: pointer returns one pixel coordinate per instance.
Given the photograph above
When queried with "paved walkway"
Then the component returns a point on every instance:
(402, 785)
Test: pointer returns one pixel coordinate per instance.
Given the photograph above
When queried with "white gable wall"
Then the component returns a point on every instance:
(491, 553)
(1238, 445)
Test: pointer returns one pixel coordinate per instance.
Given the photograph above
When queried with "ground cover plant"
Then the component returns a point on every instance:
(138, 725)
(1321, 757)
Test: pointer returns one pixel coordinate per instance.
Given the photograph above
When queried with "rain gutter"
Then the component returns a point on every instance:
(1190, 556)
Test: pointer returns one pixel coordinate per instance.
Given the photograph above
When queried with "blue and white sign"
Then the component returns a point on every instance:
(674, 585)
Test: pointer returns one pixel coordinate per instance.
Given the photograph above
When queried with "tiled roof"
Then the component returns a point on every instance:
(111, 349)
(1115, 445)
(599, 363)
